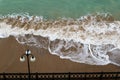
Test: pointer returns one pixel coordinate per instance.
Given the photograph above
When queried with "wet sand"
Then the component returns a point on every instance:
(11, 50)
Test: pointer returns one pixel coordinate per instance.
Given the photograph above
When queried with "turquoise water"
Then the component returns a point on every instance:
(60, 8)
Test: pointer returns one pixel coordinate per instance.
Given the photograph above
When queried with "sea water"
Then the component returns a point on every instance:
(83, 31)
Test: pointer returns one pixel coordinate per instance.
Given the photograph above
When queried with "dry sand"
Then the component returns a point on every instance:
(11, 50)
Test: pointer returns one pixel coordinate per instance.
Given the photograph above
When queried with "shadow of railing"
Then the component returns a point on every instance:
(62, 76)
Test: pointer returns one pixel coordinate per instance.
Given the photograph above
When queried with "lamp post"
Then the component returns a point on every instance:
(29, 57)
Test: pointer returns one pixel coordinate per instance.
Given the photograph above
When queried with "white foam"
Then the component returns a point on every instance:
(87, 45)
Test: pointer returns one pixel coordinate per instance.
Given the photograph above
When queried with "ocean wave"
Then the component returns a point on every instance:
(92, 39)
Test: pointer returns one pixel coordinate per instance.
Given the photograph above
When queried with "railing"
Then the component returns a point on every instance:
(62, 76)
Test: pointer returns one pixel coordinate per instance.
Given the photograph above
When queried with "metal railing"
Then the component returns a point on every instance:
(62, 76)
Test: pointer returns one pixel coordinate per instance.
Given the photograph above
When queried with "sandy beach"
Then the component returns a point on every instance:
(11, 50)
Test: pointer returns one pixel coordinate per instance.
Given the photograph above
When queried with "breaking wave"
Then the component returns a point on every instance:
(92, 39)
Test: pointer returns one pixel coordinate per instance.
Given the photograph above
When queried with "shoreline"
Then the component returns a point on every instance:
(11, 50)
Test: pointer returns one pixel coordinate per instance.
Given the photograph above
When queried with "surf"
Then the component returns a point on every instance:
(91, 39)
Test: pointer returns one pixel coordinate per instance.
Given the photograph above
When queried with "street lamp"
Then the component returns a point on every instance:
(32, 58)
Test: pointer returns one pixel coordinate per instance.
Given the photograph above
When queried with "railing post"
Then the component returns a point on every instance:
(36, 75)
(85, 77)
(20, 75)
(101, 75)
(52, 76)
(69, 76)
(116, 77)
(4, 76)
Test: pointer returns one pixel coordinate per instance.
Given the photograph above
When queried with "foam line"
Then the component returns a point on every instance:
(85, 40)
